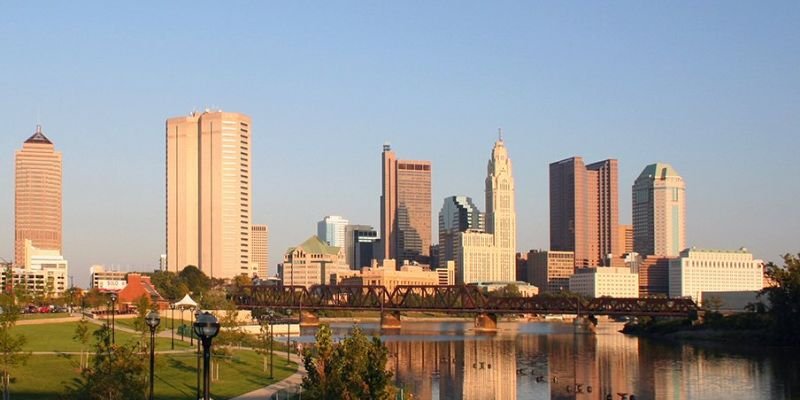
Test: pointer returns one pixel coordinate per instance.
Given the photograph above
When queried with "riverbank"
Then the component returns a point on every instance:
(752, 329)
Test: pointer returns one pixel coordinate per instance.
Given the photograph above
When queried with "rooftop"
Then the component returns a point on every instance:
(38, 137)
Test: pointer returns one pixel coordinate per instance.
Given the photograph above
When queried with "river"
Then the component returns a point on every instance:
(546, 360)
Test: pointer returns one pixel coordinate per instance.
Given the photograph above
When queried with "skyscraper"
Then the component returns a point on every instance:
(490, 256)
(37, 200)
(659, 212)
(208, 193)
(501, 216)
(405, 208)
(584, 210)
(360, 245)
(259, 249)
(331, 230)
(458, 214)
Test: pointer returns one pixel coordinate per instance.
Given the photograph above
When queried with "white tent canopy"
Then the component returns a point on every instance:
(186, 302)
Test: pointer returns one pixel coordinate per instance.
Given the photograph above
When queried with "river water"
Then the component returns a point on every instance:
(547, 360)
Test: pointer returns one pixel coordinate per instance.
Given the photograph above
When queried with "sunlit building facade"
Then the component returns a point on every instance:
(699, 271)
(259, 249)
(405, 208)
(659, 211)
(209, 193)
(37, 196)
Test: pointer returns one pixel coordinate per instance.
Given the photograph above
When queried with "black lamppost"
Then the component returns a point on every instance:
(206, 328)
(113, 312)
(270, 315)
(182, 327)
(191, 321)
(152, 320)
(195, 315)
(172, 326)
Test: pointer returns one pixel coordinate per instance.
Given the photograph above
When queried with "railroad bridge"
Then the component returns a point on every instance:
(456, 299)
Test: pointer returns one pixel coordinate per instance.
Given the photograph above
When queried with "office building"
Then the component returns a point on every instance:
(45, 272)
(698, 271)
(550, 270)
(360, 245)
(259, 249)
(625, 238)
(653, 274)
(209, 193)
(405, 208)
(331, 230)
(659, 211)
(584, 210)
(313, 262)
(104, 279)
(490, 256)
(605, 281)
(458, 214)
(447, 274)
(37, 196)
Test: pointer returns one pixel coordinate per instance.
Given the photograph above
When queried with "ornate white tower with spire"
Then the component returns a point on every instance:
(501, 217)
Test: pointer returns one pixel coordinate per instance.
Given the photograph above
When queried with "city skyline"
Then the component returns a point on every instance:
(716, 99)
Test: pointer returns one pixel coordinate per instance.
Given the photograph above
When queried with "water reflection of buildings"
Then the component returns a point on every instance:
(469, 369)
(523, 362)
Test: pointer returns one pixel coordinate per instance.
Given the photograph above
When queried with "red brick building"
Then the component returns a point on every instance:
(137, 287)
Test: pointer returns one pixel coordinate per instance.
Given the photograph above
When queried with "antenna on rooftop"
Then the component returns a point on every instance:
(500, 134)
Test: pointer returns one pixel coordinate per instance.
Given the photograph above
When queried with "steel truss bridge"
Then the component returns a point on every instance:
(451, 299)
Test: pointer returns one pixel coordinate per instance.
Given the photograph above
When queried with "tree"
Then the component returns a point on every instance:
(143, 307)
(510, 290)
(784, 298)
(117, 373)
(82, 336)
(215, 299)
(11, 354)
(196, 281)
(354, 369)
(169, 284)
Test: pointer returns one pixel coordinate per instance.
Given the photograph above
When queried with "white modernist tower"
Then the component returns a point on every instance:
(501, 218)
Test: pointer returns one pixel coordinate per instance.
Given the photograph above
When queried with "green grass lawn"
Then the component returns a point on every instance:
(47, 376)
(58, 337)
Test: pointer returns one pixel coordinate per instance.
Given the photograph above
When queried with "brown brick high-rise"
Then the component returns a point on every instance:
(584, 210)
(405, 208)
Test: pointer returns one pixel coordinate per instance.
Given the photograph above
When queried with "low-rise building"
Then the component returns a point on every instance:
(550, 270)
(525, 289)
(136, 287)
(605, 281)
(390, 277)
(313, 262)
(697, 271)
(653, 274)
(104, 279)
(46, 272)
(447, 274)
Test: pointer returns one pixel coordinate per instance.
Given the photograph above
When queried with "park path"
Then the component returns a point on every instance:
(268, 392)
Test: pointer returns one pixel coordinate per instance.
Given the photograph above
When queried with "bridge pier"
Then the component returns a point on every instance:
(486, 322)
(308, 318)
(390, 320)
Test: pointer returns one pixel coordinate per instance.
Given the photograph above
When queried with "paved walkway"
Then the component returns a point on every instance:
(291, 382)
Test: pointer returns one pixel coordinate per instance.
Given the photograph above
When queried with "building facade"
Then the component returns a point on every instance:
(104, 279)
(584, 210)
(405, 208)
(313, 262)
(37, 196)
(659, 211)
(259, 249)
(360, 242)
(389, 276)
(209, 193)
(625, 238)
(331, 230)
(605, 281)
(696, 271)
(46, 272)
(550, 270)
(458, 214)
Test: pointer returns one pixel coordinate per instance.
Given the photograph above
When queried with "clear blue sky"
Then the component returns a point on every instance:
(711, 87)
